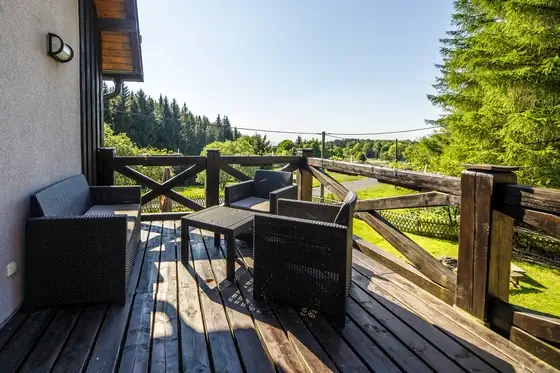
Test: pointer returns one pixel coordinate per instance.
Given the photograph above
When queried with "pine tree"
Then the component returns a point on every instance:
(499, 88)
(227, 131)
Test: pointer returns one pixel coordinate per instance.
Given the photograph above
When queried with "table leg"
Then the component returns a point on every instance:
(217, 238)
(230, 266)
(185, 242)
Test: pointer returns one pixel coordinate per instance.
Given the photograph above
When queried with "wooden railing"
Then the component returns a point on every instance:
(490, 201)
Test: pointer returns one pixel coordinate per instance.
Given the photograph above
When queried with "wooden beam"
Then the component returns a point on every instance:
(234, 172)
(535, 346)
(408, 201)
(115, 24)
(423, 260)
(334, 186)
(543, 326)
(543, 221)
(304, 179)
(408, 179)
(172, 183)
(212, 182)
(485, 242)
(404, 269)
(543, 199)
(259, 160)
(159, 160)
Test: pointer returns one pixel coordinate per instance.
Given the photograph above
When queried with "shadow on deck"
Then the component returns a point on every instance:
(194, 320)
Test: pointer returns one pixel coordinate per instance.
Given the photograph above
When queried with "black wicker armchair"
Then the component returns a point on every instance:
(81, 243)
(303, 255)
(262, 193)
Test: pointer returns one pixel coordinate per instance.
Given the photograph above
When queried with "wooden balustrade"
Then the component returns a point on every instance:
(490, 201)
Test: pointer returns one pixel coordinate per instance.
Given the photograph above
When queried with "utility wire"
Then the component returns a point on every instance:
(381, 133)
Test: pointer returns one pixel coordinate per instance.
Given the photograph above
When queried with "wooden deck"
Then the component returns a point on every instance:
(193, 320)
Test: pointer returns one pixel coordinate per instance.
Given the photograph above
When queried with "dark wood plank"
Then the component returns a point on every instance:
(540, 325)
(159, 160)
(501, 246)
(222, 346)
(49, 346)
(306, 345)
(11, 327)
(543, 221)
(490, 167)
(212, 181)
(165, 337)
(535, 346)
(384, 338)
(375, 358)
(234, 172)
(108, 345)
(22, 342)
(423, 260)
(175, 181)
(405, 335)
(252, 351)
(408, 179)
(194, 350)
(428, 199)
(75, 355)
(465, 263)
(404, 269)
(136, 349)
(259, 160)
(543, 199)
(302, 339)
(304, 178)
(339, 351)
(281, 350)
(447, 345)
(495, 350)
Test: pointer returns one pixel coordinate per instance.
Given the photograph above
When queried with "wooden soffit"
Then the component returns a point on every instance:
(121, 53)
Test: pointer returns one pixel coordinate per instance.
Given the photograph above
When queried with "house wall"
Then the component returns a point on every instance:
(39, 121)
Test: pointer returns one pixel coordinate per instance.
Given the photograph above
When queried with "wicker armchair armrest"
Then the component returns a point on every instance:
(116, 195)
(307, 210)
(239, 191)
(71, 253)
(288, 192)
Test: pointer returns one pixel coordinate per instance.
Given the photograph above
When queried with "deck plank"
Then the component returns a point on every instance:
(222, 346)
(21, 343)
(406, 335)
(48, 347)
(494, 349)
(11, 327)
(253, 354)
(165, 338)
(136, 350)
(194, 350)
(465, 358)
(75, 355)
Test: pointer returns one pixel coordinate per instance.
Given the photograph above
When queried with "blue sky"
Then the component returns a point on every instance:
(297, 65)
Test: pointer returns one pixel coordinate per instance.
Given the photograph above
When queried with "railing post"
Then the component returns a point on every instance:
(485, 239)
(304, 178)
(106, 166)
(212, 185)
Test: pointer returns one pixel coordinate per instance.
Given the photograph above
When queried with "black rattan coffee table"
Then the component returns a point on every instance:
(220, 220)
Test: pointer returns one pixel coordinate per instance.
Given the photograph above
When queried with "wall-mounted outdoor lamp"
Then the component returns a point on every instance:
(59, 50)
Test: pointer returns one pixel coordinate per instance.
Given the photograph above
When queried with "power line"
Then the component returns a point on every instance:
(381, 133)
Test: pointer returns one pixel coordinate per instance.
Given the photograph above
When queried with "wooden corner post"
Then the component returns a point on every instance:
(485, 239)
(106, 166)
(212, 185)
(304, 178)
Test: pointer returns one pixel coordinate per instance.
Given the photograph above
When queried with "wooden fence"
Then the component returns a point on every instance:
(490, 201)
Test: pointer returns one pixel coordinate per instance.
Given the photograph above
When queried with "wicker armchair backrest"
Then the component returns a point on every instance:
(346, 211)
(267, 181)
(67, 197)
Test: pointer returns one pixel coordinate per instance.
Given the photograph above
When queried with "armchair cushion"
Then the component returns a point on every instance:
(252, 203)
(67, 197)
(267, 181)
(131, 211)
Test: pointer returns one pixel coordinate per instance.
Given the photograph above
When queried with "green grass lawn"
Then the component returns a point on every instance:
(539, 290)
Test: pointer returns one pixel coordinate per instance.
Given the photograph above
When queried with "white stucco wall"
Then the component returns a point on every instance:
(39, 120)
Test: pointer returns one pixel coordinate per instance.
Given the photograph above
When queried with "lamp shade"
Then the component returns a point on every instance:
(58, 49)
